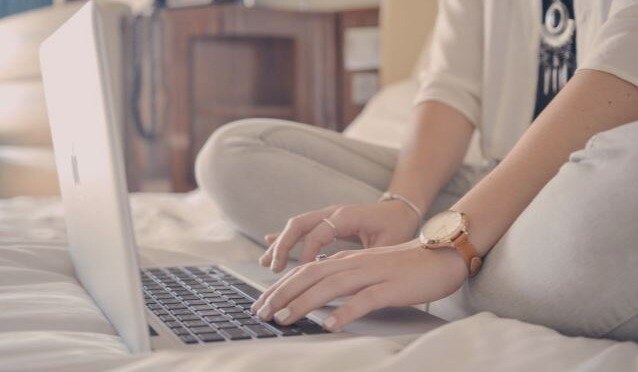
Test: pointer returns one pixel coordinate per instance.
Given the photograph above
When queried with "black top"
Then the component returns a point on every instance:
(557, 59)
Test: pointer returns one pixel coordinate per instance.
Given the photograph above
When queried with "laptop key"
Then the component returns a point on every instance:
(188, 339)
(215, 299)
(216, 319)
(191, 298)
(225, 325)
(250, 291)
(286, 330)
(232, 310)
(235, 297)
(181, 312)
(243, 301)
(309, 327)
(211, 337)
(194, 302)
(168, 301)
(166, 318)
(236, 334)
(172, 324)
(240, 316)
(248, 321)
(195, 323)
(224, 305)
(180, 331)
(260, 331)
(164, 296)
(246, 306)
(208, 312)
(188, 317)
(202, 330)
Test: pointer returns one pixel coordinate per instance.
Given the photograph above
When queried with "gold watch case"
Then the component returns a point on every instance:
(442, 229)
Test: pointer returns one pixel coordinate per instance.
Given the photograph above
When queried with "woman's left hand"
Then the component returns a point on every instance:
(375, 278)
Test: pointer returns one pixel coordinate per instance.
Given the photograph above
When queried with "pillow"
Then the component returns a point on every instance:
(570, 261)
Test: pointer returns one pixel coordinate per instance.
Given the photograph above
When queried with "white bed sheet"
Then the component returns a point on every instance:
(48, 322)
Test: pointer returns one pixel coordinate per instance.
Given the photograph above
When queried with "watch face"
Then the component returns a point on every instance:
(443, 226)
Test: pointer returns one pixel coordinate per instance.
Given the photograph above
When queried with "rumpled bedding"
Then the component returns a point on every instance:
(48, 322)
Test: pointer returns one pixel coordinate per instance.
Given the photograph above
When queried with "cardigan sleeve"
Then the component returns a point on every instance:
(453, 72)
(615, 47)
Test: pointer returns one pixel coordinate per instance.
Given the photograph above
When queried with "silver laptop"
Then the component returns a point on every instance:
(200, 305)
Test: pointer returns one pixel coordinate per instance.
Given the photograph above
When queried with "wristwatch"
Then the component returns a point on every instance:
(449, 230)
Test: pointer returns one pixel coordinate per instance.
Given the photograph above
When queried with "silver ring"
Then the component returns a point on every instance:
(333, 227)
(321, 257)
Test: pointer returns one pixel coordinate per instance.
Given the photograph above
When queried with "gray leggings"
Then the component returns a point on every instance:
(263, 171)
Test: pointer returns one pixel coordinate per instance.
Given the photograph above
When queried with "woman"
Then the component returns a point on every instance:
(538, 79)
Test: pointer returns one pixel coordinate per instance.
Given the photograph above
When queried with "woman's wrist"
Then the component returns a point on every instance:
(447, 266)
(389, 196)
(406, 213)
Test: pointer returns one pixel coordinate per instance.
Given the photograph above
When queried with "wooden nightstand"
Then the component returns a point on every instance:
(217, 64)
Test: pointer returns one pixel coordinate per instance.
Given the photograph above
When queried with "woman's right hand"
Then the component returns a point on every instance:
(373, 225)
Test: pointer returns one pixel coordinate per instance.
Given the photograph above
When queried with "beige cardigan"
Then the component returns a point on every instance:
(483, 59)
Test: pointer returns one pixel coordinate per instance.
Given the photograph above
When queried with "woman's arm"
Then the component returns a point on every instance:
(591, 102)
(451, 99)
(433, 150)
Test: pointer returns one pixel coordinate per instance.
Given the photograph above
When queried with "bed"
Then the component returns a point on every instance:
(48, 321)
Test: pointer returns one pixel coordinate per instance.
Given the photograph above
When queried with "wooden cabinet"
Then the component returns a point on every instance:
(217, 64)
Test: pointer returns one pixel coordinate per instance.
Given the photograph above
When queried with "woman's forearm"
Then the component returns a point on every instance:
(591, 102)
(432, 151)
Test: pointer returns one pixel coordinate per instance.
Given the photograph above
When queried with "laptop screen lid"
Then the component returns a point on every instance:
(86, 122)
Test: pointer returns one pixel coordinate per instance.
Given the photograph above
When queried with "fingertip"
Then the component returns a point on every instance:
(274, 265)
(331, 323)
(263, 261)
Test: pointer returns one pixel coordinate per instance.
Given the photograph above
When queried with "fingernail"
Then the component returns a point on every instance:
(264, 312)
(329, 322)
(262, 261)
(274, 264)
(282, 315)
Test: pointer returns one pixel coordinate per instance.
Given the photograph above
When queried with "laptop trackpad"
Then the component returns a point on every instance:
(380, 323)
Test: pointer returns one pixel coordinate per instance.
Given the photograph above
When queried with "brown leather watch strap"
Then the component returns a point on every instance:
(467, 250)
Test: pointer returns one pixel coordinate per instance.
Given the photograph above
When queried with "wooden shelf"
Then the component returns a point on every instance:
(228, 62)
(217, 64)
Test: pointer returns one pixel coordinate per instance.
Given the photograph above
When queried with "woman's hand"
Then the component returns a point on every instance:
(376, 278)
(377, 224)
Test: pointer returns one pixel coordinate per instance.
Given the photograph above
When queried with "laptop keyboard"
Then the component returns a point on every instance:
(202, 305)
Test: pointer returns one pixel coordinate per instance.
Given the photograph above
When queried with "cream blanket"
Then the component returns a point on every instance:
(48, 322)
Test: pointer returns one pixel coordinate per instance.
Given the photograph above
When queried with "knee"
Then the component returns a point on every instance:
(221, 155)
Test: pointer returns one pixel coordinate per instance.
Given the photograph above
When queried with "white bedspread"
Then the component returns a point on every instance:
(48, 322)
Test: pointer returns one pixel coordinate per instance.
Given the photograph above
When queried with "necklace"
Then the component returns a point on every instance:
(556, 53)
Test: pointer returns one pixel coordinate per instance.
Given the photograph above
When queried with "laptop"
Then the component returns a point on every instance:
(151, 308)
